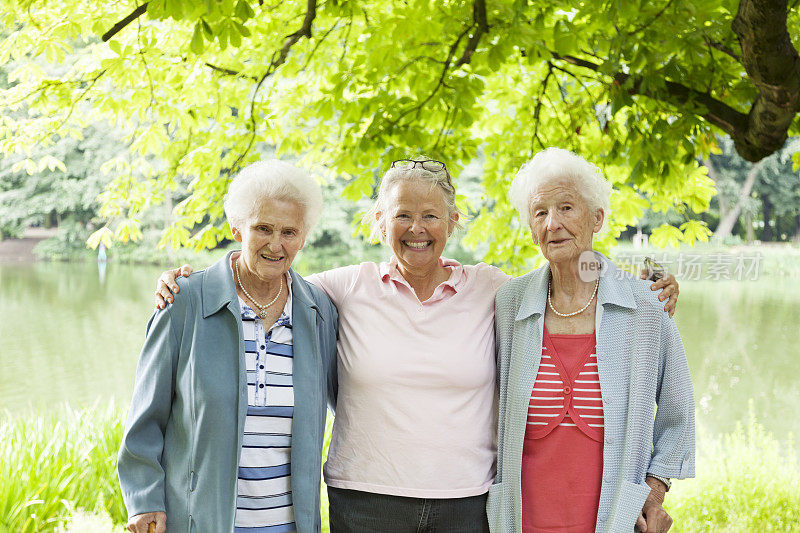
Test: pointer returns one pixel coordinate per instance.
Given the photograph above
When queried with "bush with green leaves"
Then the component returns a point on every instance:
(53, 464)
(59, 471)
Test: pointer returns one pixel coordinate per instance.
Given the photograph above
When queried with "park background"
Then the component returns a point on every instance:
(121, 124)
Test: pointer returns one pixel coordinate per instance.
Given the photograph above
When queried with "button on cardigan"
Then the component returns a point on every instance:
(648, 400)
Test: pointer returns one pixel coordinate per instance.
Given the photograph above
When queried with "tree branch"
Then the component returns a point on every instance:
(452, 109)
(278, 59)
(727, 221)
(439, 83)
(718, 113)
(481, 26)
(319, 42)
(652, 20)
(229, 72)
(724, 49)
(773, 65)
(536, 113)
(771, 62)
(116, 28)
(414, 60)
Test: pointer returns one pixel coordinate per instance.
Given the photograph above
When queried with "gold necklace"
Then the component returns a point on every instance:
(579, 311)
(262, 309)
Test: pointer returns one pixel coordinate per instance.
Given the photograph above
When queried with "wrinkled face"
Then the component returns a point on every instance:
(416, 224)
(271, 238)
(562, 224)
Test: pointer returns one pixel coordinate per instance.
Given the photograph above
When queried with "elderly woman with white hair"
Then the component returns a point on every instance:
(413, 445)
(226, 424)
(596, 406)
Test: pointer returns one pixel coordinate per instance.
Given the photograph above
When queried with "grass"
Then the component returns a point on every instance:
(52, 465)
(57, 474)
(747, 481)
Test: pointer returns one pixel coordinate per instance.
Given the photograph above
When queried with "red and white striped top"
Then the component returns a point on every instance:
(566, 393)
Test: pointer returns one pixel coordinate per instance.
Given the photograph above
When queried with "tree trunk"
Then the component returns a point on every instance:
(767, 233)
(727, 221)
(796, 238)
(168, 206)
(50, 220)
(724, 207)
(773, 65)
(750, 235)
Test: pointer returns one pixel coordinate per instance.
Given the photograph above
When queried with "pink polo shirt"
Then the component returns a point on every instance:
(416, 411)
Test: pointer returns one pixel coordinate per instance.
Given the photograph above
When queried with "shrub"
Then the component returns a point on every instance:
(50, 465)
(57, 473)
(746, 481)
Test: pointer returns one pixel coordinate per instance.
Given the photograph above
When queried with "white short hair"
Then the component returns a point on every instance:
(277, 180)
(439, 180)
(554, 163)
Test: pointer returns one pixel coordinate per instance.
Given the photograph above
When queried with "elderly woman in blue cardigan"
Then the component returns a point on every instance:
(225, 428)
(596, 411)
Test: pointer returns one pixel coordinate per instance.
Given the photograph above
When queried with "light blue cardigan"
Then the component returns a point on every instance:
(642, 365)
(180, 452)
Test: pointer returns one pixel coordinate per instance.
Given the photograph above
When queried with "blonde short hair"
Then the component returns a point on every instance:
(439, 180)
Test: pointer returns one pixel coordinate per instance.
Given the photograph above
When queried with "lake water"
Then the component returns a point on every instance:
(65, 336)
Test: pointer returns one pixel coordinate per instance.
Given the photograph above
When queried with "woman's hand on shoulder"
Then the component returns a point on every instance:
(148, 523)
(669, 293)
(654, 518)
(166, 286)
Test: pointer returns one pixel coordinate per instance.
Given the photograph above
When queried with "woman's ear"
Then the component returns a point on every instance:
(381, 225)
(600, 216)
(237, 235)
(453, 221)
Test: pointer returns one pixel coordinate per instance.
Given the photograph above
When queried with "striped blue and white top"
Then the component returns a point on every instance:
(264, 502)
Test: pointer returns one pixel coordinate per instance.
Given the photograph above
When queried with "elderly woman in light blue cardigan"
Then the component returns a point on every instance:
(225, 428)
(596, 409)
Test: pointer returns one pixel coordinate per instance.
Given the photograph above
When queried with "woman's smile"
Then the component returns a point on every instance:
(416, 225)
(417, 245)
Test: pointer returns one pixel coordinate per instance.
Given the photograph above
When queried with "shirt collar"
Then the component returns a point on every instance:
(458, 276)
(614, 288)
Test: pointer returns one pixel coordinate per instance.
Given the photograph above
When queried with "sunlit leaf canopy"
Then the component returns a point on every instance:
(641, 88)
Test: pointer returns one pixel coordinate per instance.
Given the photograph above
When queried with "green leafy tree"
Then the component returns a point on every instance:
(779, 193)
(59, 185)
(639, 87)
(769, 188)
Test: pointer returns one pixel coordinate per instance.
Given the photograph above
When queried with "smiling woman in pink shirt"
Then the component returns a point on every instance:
(413, 446)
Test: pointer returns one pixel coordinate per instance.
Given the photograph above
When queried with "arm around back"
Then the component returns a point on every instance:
(328, 336)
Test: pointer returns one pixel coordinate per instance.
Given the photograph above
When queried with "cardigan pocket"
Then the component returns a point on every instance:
(629, 506)
(494, 511)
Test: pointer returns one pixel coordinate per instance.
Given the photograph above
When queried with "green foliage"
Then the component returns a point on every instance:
(747, 481)
(59, 472)
(774, 196)
(196, 88)
(55, 184)
(54, 464)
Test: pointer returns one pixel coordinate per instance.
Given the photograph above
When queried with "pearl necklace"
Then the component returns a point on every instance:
(579, 311)
(262, 309)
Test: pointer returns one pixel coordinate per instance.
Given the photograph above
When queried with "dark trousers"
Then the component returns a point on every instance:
(353, 511)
